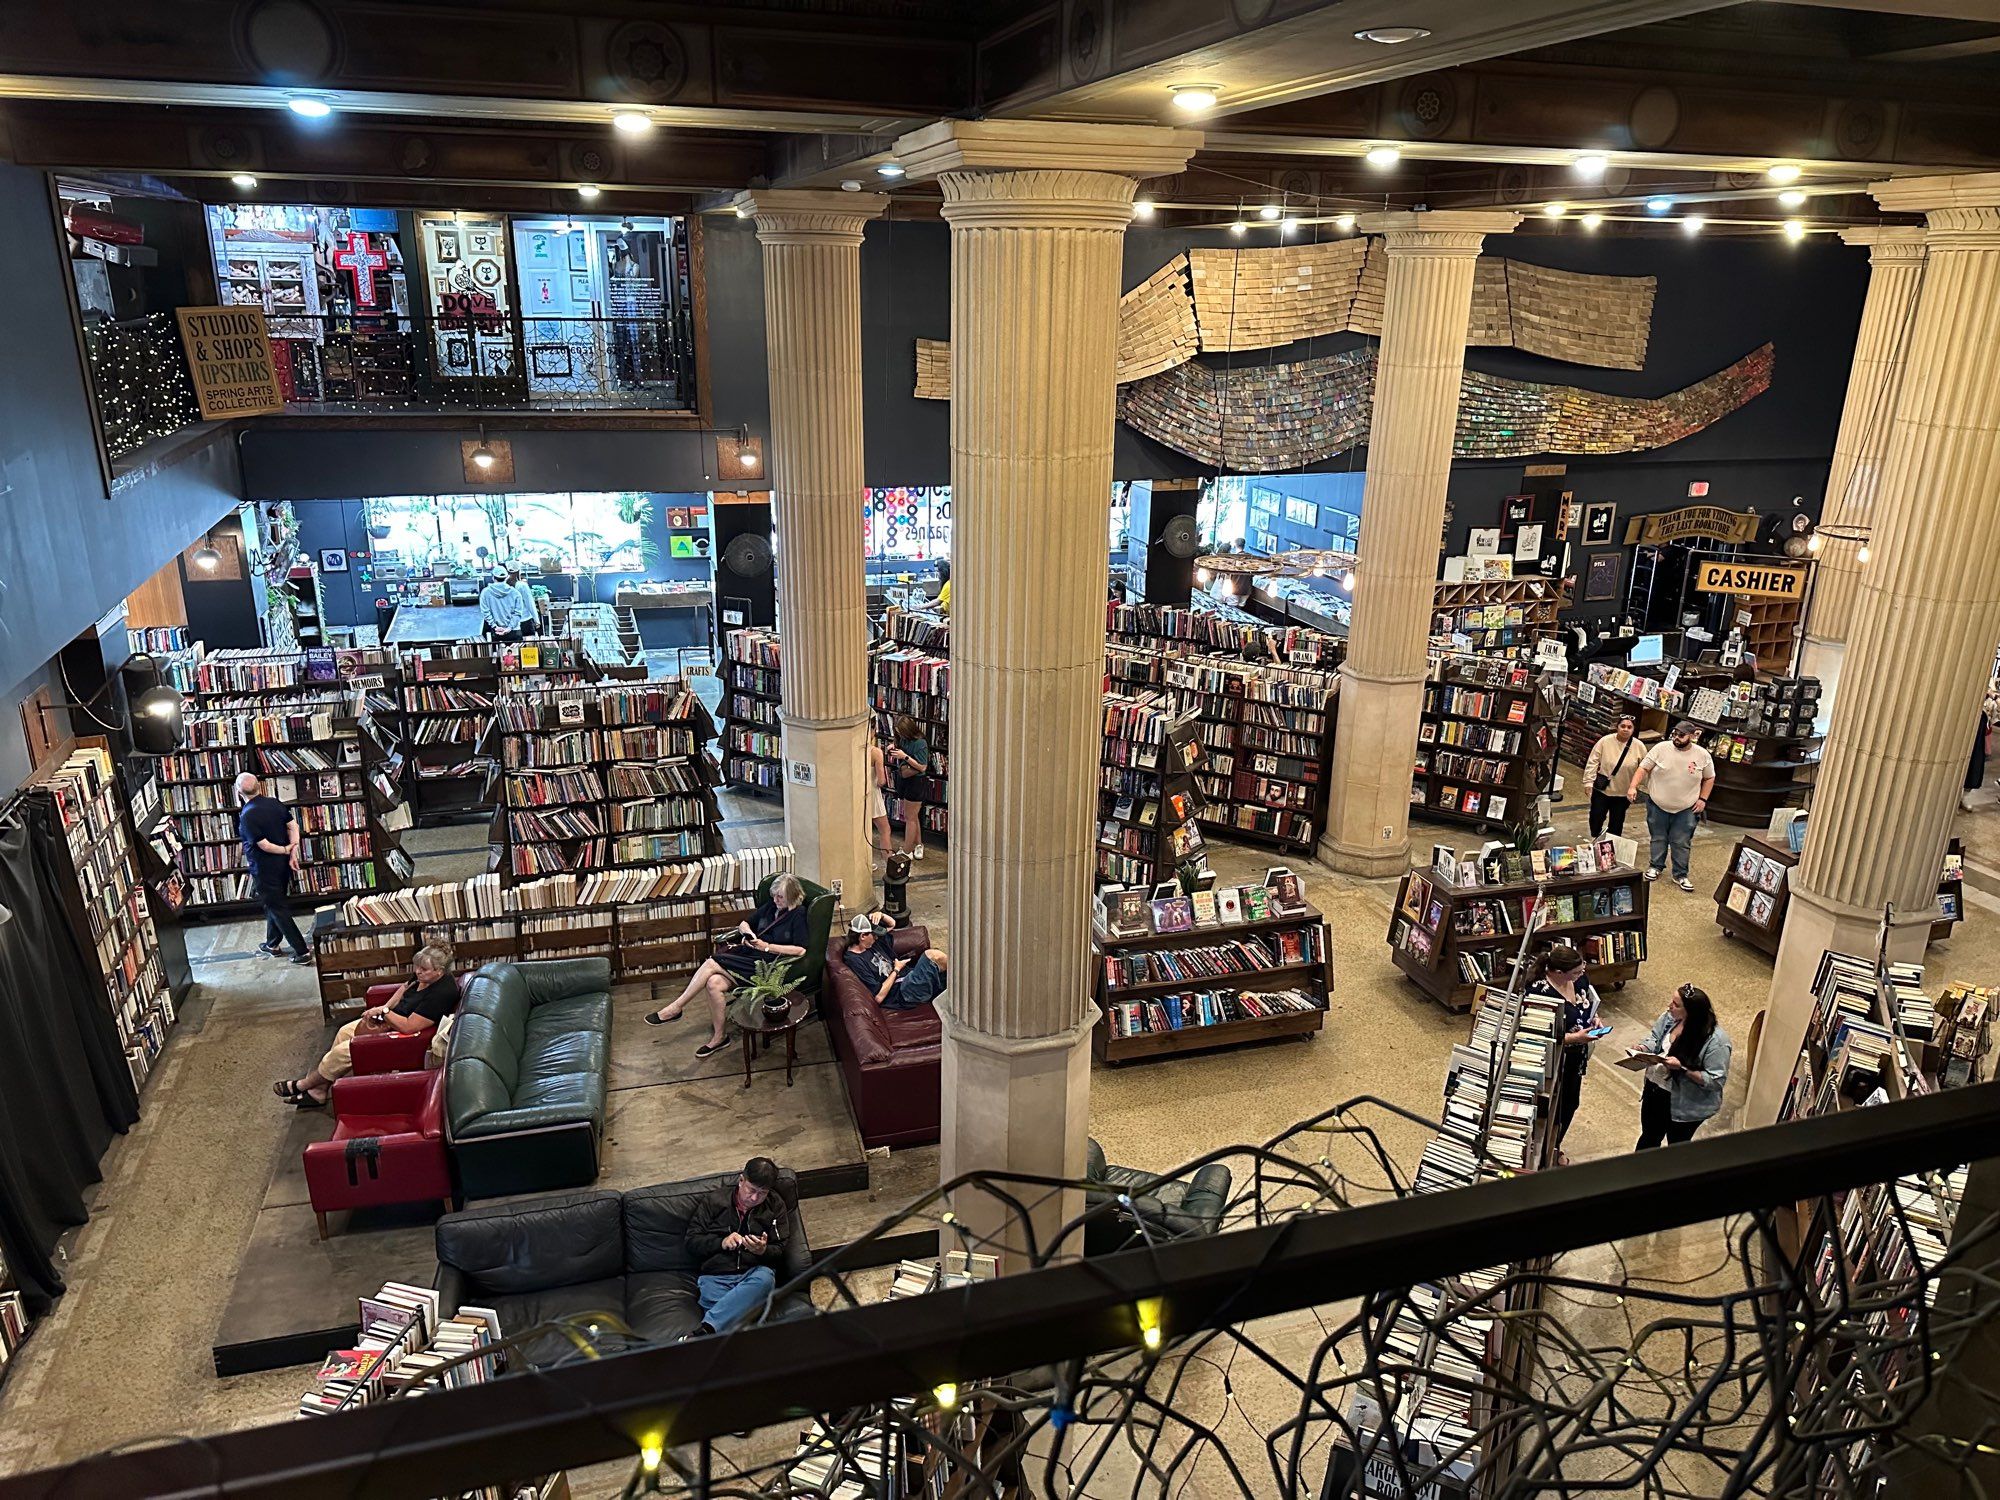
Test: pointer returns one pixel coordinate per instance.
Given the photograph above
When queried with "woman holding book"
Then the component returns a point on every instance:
(777, 929)
(1684, 1085)
(1608, 774)
(1562, 980)
(910, 758)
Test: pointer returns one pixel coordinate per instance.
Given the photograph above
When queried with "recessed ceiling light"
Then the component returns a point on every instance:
(1554, 210)
(1782, 172)
(1269, 211)
(1795, 230)
(1693, 223)
(890, 169)
(308, 108)
(1658, 205)
(1344, 223)
(1142, 208)
(1792, 198)
(632, 122)
(1194, 98)
(587, 191)
(1590, 164)
(1289, 225)
(1383, 157)
(1239, 227)
(849, 185)
(244, 180)
(1392, 36)
(1591, 221)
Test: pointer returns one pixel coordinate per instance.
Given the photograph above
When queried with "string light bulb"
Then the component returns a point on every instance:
(1862, 555)
(1347, 580)
(946, 1395)
(1148, 1310)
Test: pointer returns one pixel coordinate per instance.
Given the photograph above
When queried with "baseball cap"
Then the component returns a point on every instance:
(860, 926)
(1688, 726)
(499, 570)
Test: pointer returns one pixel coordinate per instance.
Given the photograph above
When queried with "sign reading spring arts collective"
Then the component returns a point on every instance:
(1753, 580)
(229, 358)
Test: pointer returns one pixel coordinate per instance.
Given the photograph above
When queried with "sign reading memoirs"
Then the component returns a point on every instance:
(229, 356)
(1753, 580)
(1710, 522)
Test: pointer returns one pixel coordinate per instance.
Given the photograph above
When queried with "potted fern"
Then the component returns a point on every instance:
(768, 991)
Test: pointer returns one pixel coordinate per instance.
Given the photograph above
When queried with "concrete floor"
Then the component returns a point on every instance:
(152, 1270)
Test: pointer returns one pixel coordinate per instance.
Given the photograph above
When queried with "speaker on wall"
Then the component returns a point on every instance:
(745, 567)
(1164, 540)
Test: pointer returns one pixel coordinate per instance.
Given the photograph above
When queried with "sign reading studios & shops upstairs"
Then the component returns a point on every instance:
(229, 359)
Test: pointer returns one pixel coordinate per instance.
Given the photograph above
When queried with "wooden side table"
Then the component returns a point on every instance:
(771, 1024)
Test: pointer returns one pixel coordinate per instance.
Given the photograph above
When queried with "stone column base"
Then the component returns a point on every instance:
(827, 823)
(1368, 814)
(1814, 925)
(1014, 1105)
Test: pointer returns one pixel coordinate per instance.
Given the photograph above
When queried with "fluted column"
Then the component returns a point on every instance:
(812, 336)
(1895, 269)
(1926, 616)
(1422, 357)
(1038, 216)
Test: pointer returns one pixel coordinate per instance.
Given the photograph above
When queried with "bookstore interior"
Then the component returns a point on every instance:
(510, 878)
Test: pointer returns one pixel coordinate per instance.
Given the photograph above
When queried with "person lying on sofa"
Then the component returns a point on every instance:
(896, 983)
(777, 929)
(736, 1239)
(425, 999)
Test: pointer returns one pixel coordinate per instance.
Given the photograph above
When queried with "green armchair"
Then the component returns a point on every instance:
(1172, 1209)
(809, 970)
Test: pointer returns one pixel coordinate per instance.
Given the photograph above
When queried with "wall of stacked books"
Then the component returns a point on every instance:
(753, 742)
(909, 672)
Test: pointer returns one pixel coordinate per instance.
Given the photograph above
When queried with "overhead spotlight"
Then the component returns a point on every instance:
(484, 456)
(1381, 158)
(1392, 36)
(587, 191)
(206, 557)
(1591, 222)
(746, 454)
(1239, 227)
(1813, 542)
(244, 180)
(1693, 224)
(890, 169)
(631, 122)
(1142, 208)
(309, 108)
(742, 210)
(1289, 226)
(849, 185)
(1792, 198)
(1344, 223)
(1590, 164)
(1782, 172)
(1795, 230)
(1269, 211)
(1193, 98)
(1554, 210)
(1658, 205)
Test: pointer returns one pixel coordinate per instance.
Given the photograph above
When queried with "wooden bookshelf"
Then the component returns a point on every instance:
(1486, 742)
(1147, 797)
(1747, 877)
(1499, 614)
(1438, 923)
(1770, 630)
(1298, 940)
(1950, 891)
(1220, 630)
(447, 696)
(909, 672)
(752, 736)
(1594, 711)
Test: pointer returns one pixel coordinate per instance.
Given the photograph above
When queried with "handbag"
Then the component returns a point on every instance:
(1603, 783)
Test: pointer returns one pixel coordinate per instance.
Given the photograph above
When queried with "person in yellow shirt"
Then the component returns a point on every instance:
(944, 589)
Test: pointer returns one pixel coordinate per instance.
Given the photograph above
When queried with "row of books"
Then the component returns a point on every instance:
(1497, 865)
(406, 1344)
(926, 632)
(1264, 950)
(208, 730)
(1471, 800)
(1475, 703)
(764, 681)
(1139, 911)
(912, 671)
(424, 698)
(1466, 736)
(754, 647)
(1177, 1012)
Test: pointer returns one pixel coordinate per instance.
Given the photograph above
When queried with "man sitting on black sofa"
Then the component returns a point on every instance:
(735, 1239)
(896, 983)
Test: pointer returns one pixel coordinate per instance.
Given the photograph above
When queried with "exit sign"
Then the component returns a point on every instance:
(1697, 488)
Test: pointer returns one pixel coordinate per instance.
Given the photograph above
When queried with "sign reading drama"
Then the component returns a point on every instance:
(229, 358)
(1753, 580)
(1707, 521)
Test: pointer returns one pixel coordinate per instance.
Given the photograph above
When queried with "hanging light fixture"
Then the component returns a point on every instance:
(484, 456)
(206, 557)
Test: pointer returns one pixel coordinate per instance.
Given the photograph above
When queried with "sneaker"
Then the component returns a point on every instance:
(918, 852)
(1653, 874)
(1683, 882)
(302, 958)
(270, 950)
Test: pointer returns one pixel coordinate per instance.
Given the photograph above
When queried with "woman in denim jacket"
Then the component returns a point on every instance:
(1686, 1087)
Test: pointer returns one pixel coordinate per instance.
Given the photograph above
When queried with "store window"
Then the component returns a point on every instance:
(581, 532)
(907, 525)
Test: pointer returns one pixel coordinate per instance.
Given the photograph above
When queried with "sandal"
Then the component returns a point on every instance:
(287, 1089)
(307, 1101)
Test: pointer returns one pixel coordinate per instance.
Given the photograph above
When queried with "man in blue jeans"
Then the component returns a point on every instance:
(270, 832)
(736, 1238)
(1677, 775)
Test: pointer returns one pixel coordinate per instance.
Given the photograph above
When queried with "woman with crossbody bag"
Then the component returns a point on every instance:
(1608, 772)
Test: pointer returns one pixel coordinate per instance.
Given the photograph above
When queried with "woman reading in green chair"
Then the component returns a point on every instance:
(777, 929)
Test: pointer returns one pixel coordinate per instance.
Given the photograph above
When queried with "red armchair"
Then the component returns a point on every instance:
(390, 1051)
(890, 1058)
(388, 1145)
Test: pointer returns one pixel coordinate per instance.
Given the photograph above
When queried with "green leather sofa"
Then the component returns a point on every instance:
(525, 1082)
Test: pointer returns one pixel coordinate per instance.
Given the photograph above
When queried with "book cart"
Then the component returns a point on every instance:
(1486, 741)
(1458, 926)
(753, 745)
(1217, 968)
(1755, 892)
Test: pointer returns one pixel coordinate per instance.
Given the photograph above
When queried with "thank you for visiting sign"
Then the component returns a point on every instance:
(229, 357)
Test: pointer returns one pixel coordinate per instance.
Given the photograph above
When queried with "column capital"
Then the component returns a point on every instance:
(1888, 242)
(960, 146)
(791, 216)
(1447, 232)
(1924, 195)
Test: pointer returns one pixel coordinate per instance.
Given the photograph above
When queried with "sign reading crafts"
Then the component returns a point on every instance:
(1753, 580)
(229, 357)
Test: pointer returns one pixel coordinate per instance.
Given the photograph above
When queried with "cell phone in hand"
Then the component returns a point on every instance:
(1597, 1032)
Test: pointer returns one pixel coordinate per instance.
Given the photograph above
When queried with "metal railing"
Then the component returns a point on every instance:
(1276, 1357)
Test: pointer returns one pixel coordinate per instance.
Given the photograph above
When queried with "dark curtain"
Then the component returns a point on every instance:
(64, 1087)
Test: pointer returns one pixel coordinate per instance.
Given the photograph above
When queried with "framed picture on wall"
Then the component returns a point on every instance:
(1601, 578)
(1598, 521)
(333, 559)
(1301, 512)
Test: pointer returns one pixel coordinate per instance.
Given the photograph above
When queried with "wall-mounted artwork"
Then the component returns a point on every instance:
(1601, 579)
(1598, 522)
(1301, 512)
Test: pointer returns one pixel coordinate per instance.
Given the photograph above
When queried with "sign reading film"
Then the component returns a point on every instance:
(1753, 579)
(229, 357)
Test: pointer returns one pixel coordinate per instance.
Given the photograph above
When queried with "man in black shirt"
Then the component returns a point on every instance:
(736, 1239)
(270, 834)
(424, 1000)
(896, 983)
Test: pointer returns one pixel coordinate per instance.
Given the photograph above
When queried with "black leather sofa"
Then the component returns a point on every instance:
(596, 1252)
(1179, 1208)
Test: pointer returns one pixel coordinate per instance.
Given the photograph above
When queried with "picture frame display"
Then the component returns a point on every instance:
(333, 559)
(1601, 578)
(1599, 519)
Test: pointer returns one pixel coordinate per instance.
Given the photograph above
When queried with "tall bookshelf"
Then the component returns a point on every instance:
(1486, 741)
(909, 672)
(1458, 926)
(753, 744)
(107, 903)
(447, 697)
(263, 712)
(1210, 629)
(1147, 797)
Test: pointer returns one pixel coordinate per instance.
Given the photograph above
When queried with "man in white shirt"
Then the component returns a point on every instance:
(500, 608)
(533, 616)
(1677, 775)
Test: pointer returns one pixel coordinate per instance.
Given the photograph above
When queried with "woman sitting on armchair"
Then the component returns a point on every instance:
(777, 929)
(428, 998)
